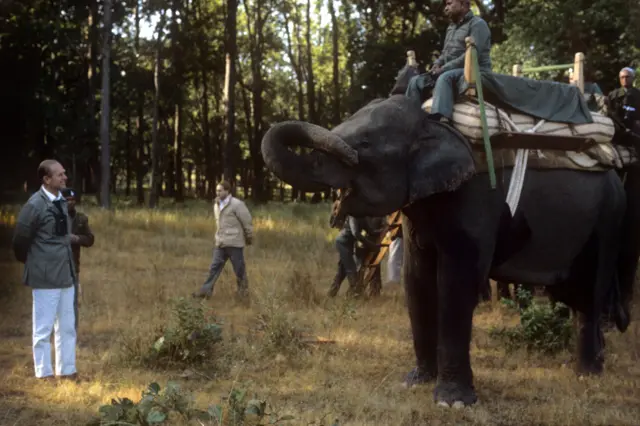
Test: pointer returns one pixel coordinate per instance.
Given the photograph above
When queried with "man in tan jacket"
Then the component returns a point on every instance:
(234, 231)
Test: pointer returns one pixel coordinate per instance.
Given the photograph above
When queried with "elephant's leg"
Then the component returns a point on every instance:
(458, 291)
(485, 292)
(503, 289)
(607, 243)
(420, 279)
(590, 345)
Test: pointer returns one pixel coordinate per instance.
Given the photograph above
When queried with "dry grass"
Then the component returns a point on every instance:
(141, 260)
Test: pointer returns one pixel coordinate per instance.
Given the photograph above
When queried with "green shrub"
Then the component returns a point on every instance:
(154, 408)
(543, 328)
(189, 337)
(172, 404)
(236, 410)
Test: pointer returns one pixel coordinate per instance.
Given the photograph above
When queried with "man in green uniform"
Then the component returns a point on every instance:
(81, 236)
(449, 67)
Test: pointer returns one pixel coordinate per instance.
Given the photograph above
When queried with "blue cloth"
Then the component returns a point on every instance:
(220, 257)
(443, 95)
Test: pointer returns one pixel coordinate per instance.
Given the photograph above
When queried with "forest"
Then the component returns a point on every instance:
(163, 98)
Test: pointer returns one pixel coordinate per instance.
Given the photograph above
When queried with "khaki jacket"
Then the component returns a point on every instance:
(46, 254)
(234, 223)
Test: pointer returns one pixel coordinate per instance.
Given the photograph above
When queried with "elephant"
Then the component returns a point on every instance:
(574, 232)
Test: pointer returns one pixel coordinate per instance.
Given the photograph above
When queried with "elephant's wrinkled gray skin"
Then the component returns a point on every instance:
(454, 226)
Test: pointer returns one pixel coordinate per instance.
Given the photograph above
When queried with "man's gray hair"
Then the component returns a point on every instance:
(630, 70)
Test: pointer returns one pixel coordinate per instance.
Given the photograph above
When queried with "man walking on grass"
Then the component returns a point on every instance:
(234, 231)
(42, 241)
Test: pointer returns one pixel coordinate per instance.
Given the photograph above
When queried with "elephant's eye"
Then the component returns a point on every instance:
(364, 143)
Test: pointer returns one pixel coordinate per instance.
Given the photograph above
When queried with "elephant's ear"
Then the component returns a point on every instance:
(440, 160)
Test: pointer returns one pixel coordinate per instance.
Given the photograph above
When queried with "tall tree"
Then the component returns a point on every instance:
(335, 43)
(229, 90)
(178, 64)
(155, 143)
(139, 89)
(105, 121)
(311, 89)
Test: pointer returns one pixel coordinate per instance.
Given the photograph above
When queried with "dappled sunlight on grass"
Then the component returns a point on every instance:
(143, 260)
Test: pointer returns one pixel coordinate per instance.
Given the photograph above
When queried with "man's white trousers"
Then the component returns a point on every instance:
(53, 311)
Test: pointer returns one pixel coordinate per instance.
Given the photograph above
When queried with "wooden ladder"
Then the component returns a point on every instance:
(373, 259)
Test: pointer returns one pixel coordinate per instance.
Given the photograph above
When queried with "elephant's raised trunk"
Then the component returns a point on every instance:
(328, 165)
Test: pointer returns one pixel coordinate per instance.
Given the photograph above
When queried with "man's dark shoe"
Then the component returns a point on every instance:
(201, 295)
(70, 377)
(243, 297)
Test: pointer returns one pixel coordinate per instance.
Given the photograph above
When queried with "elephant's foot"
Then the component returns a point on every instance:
(450, 394)
(591, 353)
(622, 317)
(590, 367)
(418, 376)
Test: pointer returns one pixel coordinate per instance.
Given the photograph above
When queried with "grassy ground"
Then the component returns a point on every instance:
(141, 261)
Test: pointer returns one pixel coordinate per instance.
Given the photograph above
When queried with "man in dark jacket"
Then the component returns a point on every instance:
(81, 236)
(623, 104)
(42, 241)
(359, 236)
(449, 67)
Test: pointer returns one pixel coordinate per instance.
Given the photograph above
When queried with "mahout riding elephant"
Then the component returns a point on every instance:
(577, 231)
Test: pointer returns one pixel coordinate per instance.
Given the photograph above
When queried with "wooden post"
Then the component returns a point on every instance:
(469, 74)
(517, 70)
(494, 293)
(411, 59)
(578, 71)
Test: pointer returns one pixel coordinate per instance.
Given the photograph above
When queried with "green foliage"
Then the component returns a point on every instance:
(158, 407)
(280, 333)
(302, 289)
(543, 328)
(236, 410)
(188, 338)
(550, 32)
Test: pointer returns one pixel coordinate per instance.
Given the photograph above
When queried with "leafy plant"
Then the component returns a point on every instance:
(188, 338)
(235, 410)
(280, 332)
(543, 327)
(154, 408)
(165, 407)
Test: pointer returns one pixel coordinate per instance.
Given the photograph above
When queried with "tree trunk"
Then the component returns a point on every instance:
(127, 155)
(209, 169)
(177, 121)
(189, 178)
(155, 144)
(105, 109)
(311, 91)
(229, 91)
(336, 65)
(91, 59)
(140, 166)
(295, 63)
